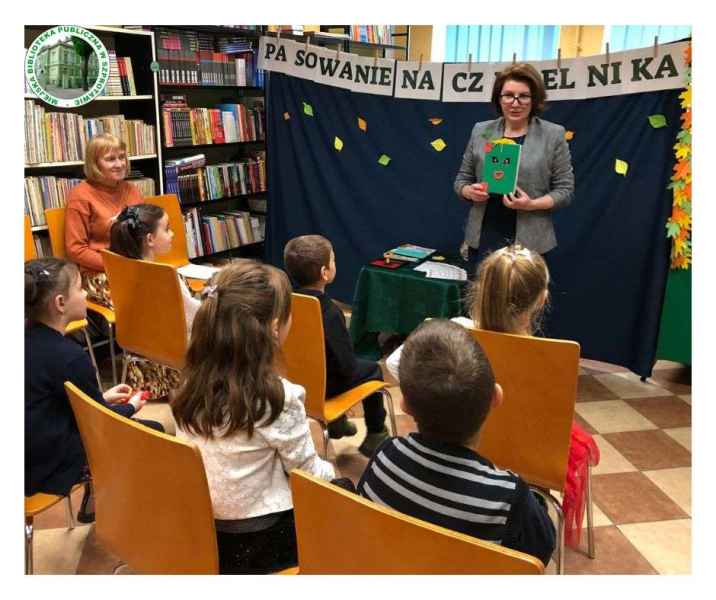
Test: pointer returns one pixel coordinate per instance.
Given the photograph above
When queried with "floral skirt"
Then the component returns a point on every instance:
(142, 374)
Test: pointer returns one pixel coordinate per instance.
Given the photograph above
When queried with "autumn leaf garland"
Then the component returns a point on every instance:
(678, 227)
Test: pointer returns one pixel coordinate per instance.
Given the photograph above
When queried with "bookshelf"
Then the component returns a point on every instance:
(201, 75)
(47, 179)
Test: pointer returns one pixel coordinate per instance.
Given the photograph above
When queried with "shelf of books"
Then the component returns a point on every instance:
(213, 136)
(56, 138)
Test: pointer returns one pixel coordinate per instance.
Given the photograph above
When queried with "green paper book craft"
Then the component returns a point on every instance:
(502, 164)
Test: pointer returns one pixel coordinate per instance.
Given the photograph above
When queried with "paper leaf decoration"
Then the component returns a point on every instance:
(569, 135)
(435, 121)
(672, 230)
(621, 167)
(657, 121)
(384, 160)
(286, 116)
(362, 125)
(439, 144)
(307, 109)
(338, 143)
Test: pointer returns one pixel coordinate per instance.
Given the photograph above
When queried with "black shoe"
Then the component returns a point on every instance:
(83, 516)
(341, 428)
(372, 441)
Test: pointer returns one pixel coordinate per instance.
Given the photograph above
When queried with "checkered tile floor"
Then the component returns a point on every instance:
(641, 488)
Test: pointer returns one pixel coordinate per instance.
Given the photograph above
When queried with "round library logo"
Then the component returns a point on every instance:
(66, 66)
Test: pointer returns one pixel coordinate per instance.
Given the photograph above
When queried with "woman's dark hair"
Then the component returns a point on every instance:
(45, 278)
(130, 229)
(446, 380)
(524, 73)
(229, 382)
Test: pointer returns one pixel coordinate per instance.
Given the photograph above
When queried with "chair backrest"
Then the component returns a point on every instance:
(56, 228)
(30, 251)
(365, 538)
(151, 494)
(530, 432)
(178, 256)
(304, 352)
(148, 307)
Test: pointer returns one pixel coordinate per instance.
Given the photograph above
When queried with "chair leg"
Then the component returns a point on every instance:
(391, 410)
(112, 353)
(69, 511)
(560, 526)
(126, 358)
(28, 546)
(90, 349)
(590, 516)
(324, 431)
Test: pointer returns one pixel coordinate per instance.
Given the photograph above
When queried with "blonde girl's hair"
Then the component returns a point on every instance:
(99, 146)
(229, 382)
(510, 284)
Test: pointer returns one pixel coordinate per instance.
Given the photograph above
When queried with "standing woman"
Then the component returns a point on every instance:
(545, 181)
(92, 207)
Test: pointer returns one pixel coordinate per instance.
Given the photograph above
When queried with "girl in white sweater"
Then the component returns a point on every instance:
(249, 423)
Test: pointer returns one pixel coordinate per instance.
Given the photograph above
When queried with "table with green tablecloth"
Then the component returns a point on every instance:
(398, 301)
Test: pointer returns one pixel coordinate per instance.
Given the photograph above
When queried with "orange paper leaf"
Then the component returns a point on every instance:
(435, 121)
(686, 118)
(569, 135)
(681, 169)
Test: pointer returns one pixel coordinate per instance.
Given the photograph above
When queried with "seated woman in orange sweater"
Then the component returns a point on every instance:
(92, 207)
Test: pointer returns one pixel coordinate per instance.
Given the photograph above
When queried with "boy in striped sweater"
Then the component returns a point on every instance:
(437, 475)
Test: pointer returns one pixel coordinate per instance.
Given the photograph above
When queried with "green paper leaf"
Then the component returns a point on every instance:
(672, 230)
(384, 160)
(621, 167)
(657, 121)
(307, 109)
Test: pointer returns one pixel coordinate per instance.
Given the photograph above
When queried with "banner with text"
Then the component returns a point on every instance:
(630, 72)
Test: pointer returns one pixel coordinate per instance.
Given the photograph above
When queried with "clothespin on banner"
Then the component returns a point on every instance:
(469, 63)
(608, 63)
(338, 51)
(420, 64)
(514, 58)
(278, 35)
(375, 60)
(559, 58)
(308, 38)
(656, 45)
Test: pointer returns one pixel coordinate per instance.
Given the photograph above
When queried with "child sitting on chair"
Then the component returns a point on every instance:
(311, 263)
(437, 475)
(509, 296)
(142, 232)
(54, 456)
(248, 422)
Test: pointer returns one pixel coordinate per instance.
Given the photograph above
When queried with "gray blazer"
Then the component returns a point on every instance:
(545, 168)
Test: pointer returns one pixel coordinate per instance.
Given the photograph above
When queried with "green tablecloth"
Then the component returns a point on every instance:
(675, 330)
(398, 301)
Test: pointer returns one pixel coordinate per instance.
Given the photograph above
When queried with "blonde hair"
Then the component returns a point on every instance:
(510, 284)
(99, 146)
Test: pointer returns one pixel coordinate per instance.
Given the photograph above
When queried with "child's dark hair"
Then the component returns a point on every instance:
(446, 380)
(229, 381)
(130, 229)
(304, 256)
(45, 278)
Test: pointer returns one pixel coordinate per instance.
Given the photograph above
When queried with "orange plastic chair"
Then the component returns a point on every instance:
(149, 309)
(152, 503)
(56, 227)
(73, 326)
(304, 353)
(178, 256)
(383, 541)
(530, 432)
(36, 504)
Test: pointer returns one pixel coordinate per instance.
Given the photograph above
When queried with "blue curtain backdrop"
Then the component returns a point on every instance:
(496, 43)
(629, 37)
(609, 270)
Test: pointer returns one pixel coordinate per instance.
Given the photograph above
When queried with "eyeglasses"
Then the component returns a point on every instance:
(521, 98)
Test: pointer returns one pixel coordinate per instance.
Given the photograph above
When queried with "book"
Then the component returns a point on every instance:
(412, 251)
(501, 167)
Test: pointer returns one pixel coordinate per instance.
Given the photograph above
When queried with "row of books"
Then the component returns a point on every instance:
(227, 123)
(194, 181)
(375, 34)
(121, 76)
(62, 137)
(52, 192)
(208, 234)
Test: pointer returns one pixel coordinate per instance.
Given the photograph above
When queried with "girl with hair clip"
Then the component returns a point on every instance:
(142, 232)
(248, 422)
(54, 457)
(510, 296)
(92, 207)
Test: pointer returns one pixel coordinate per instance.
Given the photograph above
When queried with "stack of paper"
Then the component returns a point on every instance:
(437, 270)
(192, 271)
